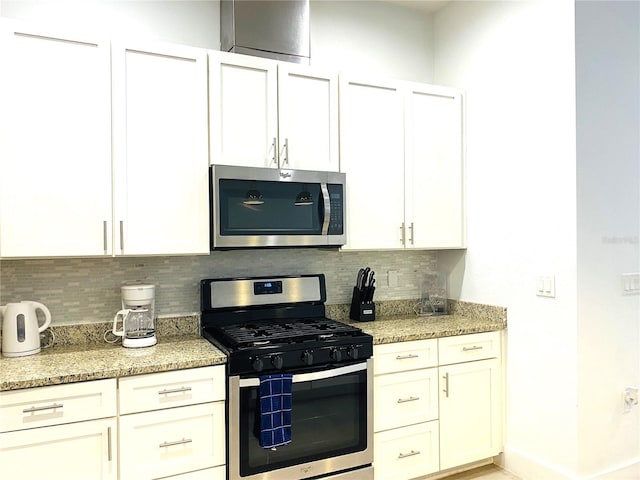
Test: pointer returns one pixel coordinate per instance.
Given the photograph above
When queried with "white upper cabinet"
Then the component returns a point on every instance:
(160, 149)
(434, 167)
(372, 156)
(243, 96)
(401, 148)
(308, 118)
(55, 144)
(265, 113)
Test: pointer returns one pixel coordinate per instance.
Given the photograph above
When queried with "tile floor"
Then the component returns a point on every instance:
(488, 472)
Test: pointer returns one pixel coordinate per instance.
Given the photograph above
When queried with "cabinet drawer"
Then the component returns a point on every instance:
(405, 398)
(57, 404)
(407, 452)
(216, 473)
(177, 388)
(172, 441)
(466, 348)
(404, 356)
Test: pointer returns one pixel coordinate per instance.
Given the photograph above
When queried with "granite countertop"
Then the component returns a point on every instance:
(403, 328)
(77, 363)
(181, 347)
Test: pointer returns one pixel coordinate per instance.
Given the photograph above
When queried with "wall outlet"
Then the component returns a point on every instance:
(629, 398)
(392, 278)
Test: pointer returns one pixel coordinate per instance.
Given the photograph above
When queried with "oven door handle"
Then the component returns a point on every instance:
(309, 377)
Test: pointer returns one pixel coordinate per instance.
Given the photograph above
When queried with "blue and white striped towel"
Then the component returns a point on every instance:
(275, 410)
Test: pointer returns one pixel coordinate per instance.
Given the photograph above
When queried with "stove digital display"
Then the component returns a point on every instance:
(267, 288)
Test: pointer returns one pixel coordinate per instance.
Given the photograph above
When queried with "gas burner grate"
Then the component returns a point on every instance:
(284, 331)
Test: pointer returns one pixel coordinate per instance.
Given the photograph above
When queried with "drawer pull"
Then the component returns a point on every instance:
(167, 391)
(446, 384)
(177, 442)
(39, 409)
(410, 399)
(407, 357)
(410, 454)
(475, 347)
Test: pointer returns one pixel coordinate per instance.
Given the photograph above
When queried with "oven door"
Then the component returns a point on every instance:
(331, 427)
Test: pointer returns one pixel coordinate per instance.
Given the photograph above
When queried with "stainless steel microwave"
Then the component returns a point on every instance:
(269, 207)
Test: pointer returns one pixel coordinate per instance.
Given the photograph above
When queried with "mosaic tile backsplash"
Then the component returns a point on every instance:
(88, 289)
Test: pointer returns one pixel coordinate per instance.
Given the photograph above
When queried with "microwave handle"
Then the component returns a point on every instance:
(308, 377)
(326, 208)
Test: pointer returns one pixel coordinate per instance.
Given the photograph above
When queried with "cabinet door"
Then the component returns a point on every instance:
(55, 144)
(160, 141)
(470, 405)
(434, 171)
(372, 156)
(243, 110)
(308, 118)
(77, 451)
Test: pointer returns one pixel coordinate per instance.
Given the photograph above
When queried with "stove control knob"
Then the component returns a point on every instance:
(335, 354)
(257, 364)
(307, 357)
(352, 352)
(277, 361)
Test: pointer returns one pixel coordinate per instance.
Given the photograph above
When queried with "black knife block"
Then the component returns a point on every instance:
(361, 311)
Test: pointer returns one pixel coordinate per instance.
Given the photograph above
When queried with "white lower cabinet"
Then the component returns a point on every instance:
(407, 452)
(172, 441)
(471, 403)
(57, 432)
(172, 425)
(405, 410)
(438, 404)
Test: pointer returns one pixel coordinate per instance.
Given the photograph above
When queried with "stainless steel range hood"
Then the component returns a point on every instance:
(277, 29)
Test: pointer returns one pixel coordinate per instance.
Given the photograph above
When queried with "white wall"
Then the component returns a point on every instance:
(515, 60)
(374, 36)
(608, 148)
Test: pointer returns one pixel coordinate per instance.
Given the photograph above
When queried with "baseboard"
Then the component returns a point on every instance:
(528, 467)
(626, 471)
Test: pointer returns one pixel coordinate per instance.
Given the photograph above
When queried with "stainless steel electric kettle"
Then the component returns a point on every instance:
(20, 328)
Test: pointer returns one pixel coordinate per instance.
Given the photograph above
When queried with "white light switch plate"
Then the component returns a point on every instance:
(631, 283)
(546, 286)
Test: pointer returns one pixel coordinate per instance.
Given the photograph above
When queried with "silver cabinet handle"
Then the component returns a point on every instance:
(411, 236)
(104, 236)
(410, 399)
(122, 236)
(410, 454)
(402, 237)
(446, 384)
(285, 149)
(167, 391)
(475, 347)
(274, 159)
(406, 357)
(177, 442)
(53, 406)
(109, 451)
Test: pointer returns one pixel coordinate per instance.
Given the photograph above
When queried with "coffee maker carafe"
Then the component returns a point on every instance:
(137, 314)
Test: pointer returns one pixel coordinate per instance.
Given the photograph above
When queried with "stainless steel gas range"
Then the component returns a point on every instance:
(299, 386)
